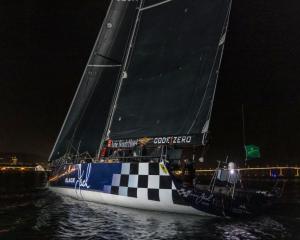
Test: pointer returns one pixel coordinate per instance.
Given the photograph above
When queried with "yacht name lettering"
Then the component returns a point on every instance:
(173, 140)
(70, 180)
(83, 177)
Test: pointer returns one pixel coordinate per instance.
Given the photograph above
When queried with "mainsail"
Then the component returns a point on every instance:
(87, 116)
(171, 77)
(152, 73)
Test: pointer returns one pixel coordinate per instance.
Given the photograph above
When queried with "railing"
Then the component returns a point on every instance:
(130, 158)
(267, 171)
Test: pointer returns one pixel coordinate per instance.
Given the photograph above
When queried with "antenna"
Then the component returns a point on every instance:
(244, 132)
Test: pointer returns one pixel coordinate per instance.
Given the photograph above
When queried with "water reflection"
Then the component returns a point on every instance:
(45, 215)
(107, 222)
(261, 228)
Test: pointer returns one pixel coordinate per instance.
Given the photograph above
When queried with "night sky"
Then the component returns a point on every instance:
(44, 46)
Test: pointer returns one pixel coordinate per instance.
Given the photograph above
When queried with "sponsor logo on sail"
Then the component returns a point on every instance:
(145, 140)
(128, 143)
(131, 143)
(173, 140)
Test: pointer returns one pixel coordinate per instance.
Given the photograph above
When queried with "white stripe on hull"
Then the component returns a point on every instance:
(111, 199)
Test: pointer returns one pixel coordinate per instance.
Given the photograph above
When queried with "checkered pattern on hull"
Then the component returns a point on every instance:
(146, 181)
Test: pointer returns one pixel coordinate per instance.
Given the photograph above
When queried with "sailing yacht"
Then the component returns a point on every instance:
(139, 121)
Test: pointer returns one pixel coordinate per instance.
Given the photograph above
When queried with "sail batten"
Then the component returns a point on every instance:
(155, 5)
(98, 65)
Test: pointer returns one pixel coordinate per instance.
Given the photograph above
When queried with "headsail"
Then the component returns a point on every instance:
(86, 119)
(171, 77)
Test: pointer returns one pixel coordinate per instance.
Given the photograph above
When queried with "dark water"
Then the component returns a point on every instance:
(40, 214)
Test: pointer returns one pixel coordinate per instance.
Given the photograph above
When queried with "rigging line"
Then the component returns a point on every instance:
(222, 45)
(104, 66)
(79, 86)
(205, 93)
(155, 5)
(223, 39)
(84, 109)
(210, 75)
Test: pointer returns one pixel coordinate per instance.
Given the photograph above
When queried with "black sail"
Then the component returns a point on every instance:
(87, 116)
(172, 73)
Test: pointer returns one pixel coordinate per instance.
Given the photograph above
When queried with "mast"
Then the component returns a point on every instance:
(122, 76)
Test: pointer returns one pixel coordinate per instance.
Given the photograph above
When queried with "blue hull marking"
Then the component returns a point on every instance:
(145, 182)
(89, 176)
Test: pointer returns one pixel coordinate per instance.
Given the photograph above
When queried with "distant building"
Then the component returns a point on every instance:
(14, 160)
(21, 159)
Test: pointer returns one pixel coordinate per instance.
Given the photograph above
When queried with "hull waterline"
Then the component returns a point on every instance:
(122, 201)
(146, 186)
